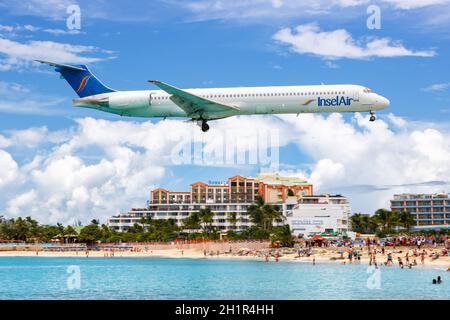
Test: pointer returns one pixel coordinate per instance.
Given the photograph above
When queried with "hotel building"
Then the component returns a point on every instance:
(313, 215)
(428, 210)
(223, 198)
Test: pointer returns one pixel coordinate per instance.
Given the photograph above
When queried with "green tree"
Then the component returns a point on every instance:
(363, 223)
(232, 219)
(193, 222)
(263, 215)
(386, 220)
(282, 236)
(254, 232)
(206, 216)
(91, 233)
(406, 220)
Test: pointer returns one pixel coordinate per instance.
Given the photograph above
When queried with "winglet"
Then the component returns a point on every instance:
(153, 81)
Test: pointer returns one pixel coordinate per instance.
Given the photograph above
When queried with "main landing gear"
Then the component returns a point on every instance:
(202, 124)
(372, 116)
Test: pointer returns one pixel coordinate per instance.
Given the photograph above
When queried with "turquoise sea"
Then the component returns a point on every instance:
(155, 278)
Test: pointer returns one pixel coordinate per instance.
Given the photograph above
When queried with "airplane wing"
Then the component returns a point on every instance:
(194, 105)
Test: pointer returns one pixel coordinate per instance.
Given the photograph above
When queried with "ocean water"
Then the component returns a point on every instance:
(155, 278)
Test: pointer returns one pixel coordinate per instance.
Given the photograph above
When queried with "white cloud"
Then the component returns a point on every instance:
(383, 157)
(53, 9)
(4, 142)
(101, 167)
(338, 44)
(50, 106)
(6, 28)
(34, 137)
(269, 10)
(16, 54)
(59, 32)
(8, 167)
(12, 87)
(416, 4)
(437, 87)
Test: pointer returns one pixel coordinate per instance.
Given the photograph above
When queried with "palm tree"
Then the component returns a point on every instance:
(406, 219)
(386, 219)
(263, 215)
(357, 222)
(255, 211)
(206, 216)
(363, 223)
(232, 219)
(193, 222)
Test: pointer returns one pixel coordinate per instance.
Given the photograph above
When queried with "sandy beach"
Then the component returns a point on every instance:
(316, 254)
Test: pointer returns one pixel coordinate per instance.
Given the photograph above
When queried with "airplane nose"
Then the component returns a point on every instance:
(382, 102)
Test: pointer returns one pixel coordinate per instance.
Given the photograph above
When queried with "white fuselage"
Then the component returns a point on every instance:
(247, 100)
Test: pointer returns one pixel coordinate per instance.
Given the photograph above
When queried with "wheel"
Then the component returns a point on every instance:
(372, 118)
(205, 126)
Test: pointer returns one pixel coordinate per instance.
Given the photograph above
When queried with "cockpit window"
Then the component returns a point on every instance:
(367, 90)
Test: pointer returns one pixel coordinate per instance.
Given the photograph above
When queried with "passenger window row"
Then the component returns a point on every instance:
(249, 95)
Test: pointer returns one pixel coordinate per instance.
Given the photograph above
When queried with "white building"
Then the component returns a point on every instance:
(227, 200)
(320, 214)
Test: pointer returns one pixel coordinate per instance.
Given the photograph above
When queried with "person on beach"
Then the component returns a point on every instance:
(314, 261)
(389, 259)
(400, 262)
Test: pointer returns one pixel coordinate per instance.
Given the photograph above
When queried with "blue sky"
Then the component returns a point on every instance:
(218, 44)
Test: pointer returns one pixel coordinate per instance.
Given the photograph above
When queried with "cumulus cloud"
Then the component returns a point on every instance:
(338, 44)
(391, 155)
(101, 167)
(9, 168)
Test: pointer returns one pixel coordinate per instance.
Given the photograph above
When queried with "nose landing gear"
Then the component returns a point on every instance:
(372, 116)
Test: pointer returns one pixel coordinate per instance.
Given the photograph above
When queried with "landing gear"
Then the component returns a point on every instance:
(202, 124)
(372, 116)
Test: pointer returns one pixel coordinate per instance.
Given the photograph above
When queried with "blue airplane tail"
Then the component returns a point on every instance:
(80, 78)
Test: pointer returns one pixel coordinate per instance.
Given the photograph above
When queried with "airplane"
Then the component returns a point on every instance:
(203, 105)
